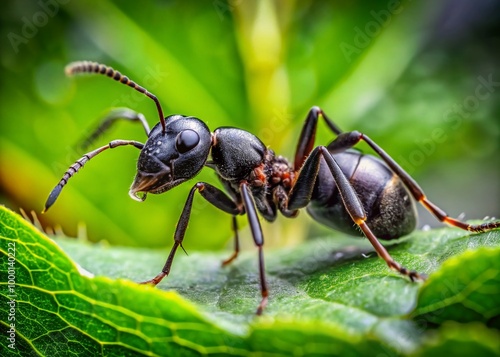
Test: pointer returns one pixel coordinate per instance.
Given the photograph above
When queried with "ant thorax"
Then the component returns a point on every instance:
(270, 183)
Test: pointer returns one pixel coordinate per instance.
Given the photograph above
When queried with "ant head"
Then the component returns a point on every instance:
(168, 159)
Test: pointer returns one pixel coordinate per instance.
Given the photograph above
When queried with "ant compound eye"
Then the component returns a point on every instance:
(186, 140)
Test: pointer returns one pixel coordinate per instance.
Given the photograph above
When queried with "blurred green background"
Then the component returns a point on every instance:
(421, 79)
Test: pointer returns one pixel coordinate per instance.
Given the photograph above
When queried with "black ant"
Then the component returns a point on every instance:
(338, 185)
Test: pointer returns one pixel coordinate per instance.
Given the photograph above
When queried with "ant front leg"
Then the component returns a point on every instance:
(220, 200)
(302, 191)
(236, 251)
(234, 223)
(214, 196)
(347, 140)
(258, 238)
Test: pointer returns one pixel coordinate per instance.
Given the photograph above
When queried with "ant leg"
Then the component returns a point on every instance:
(308, 134)
(258, 238)
(214, 196)
(302, 191)
(234, 223)
(220, 200)
(349, 139)
(110, 119)
(73, 169)
(233, 256)
(280, 196)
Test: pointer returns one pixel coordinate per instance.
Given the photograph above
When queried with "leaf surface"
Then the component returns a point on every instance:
(329, 296)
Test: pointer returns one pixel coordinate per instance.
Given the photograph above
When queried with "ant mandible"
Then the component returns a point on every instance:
(337, 185)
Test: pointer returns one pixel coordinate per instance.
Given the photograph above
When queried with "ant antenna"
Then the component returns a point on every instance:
(94, 67)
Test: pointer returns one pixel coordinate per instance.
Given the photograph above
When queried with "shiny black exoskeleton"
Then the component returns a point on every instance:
(339, 186)
(390, 210)
(172, 156)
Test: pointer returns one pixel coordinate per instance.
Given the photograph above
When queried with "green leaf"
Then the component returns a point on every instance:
(466, 288)
(462, 340)
(57, 309)
(326, 297)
